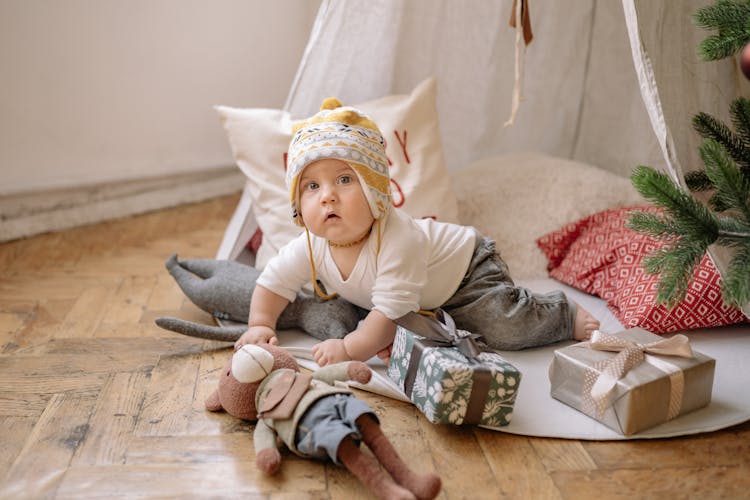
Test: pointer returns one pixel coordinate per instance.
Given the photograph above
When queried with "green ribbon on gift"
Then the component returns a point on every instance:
(440, 331)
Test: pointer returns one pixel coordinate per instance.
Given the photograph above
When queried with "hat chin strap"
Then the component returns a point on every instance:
(318, 291)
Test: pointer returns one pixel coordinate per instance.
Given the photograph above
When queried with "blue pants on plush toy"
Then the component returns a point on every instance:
(327, 422)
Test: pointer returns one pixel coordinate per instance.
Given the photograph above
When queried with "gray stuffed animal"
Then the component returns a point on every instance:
(223, 288)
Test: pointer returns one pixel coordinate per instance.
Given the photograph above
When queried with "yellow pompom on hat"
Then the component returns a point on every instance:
(346, 134)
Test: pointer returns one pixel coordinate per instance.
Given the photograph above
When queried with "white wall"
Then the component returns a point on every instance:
(95, 91)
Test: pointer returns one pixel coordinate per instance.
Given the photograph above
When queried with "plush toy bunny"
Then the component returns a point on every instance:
(314, 418)
(223, 288)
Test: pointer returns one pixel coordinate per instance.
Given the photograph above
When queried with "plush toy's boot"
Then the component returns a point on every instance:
(368, 471)
(423, 486)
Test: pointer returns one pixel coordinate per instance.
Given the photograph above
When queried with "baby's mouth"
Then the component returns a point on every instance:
(331, 216)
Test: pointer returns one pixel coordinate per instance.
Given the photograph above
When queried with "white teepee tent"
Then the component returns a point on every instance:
(612, 84)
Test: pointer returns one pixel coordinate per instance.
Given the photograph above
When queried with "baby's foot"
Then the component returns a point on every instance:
(585, 324)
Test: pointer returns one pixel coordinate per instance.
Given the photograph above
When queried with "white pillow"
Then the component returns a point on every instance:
(420, 183)
(517, 198)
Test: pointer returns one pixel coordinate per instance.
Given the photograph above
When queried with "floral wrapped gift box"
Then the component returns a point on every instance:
(450, 375)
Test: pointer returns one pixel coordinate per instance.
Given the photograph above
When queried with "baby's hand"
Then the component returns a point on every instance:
(385, 354)
(330, 351)
(257, 335)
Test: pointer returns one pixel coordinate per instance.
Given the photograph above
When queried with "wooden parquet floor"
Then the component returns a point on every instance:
(97, 402)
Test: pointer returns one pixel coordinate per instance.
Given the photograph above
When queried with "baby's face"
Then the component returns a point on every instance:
(332, 203)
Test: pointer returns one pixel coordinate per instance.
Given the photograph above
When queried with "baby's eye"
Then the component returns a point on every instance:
(345, 179)
(311, 186)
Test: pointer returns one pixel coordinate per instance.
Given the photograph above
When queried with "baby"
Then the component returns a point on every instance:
(358, 246)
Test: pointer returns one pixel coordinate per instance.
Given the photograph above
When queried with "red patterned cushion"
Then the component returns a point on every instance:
(601, 256)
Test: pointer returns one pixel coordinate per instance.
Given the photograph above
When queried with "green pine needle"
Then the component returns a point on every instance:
(737, 280)
(722, 15)
(732, 188)
(676, 265)
(730, 18)
(711, 128)
(686, 226)
(740, 113)
(686, 213)
(651, 224)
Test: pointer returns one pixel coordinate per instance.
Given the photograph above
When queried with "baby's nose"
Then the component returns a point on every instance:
(328, 193)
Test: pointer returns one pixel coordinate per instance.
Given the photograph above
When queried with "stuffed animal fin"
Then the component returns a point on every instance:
(201, 331)
(185, 278)
(203, 268)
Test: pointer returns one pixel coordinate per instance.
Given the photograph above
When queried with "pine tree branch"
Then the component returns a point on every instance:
(688, 214)
(651, 224)
(739, 110)
(723, 14)
(711, 128)
(737, 280)
(676, 266)
(732, 232)
(730, 19)
(732, 188)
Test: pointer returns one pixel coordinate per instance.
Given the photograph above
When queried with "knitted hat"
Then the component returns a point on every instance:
(346, 134)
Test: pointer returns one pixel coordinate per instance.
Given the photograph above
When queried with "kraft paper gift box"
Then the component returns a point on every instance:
(449, 374)
(632, 380)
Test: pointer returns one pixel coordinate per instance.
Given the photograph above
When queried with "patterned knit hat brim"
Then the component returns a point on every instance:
(361, 147)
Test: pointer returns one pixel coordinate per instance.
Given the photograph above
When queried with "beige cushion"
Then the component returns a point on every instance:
(517, 198)
(420, 183)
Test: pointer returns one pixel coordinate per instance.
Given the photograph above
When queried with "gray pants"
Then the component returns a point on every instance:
(509, 317)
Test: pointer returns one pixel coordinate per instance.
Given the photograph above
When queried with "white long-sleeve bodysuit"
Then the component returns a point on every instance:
(420, 265)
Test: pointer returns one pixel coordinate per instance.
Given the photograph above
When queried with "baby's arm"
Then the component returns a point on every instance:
(265, 309)
(375, 333)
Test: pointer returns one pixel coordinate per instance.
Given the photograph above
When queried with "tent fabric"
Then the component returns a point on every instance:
(610, 84)
(583, 99)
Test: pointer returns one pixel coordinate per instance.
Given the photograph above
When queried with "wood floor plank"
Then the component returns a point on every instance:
(221, 449)
(563, 454)
(202, 421)
(47, 453)
(87, 312)
(129, 301)
(519, 471)
(9, 253)
(194, 480)
(113, 420)
(168, 403)
(41, 325)
(51, 374)
(459, 461)
(15, 431)
(95, 399)
(10, 324)
(165, 295)
(20, 404)
(725, 447)
(682, 482)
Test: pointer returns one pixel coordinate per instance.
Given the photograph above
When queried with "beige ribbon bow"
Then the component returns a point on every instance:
(631, 354)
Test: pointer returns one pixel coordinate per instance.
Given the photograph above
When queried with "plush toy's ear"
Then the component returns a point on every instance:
(213, 403)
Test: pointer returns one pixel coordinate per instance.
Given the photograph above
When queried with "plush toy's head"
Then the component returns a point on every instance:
(242, 376)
